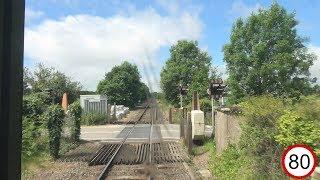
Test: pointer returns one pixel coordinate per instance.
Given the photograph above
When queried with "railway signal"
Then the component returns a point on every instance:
(183, 91)
(215, 91)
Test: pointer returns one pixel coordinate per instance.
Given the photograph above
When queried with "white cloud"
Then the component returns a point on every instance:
(315, 68)
(31, 14)
(240, 9)
(85, 46)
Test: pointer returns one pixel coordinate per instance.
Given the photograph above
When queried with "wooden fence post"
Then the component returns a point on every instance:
(170, 115)
(114, 112)
(189, 133)
(182, 120)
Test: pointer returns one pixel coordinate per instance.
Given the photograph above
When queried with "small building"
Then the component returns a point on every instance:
(94, 103)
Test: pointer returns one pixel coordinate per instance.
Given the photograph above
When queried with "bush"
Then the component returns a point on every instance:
(205, 105)
(258, 133)
(33, 137)
(54, 116)
(301, 124)
(93, 118)
(270, 124)
(231, 164)
(75, 112)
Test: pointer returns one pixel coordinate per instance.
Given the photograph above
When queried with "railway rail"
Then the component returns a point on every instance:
(102, 154)
(148, 159)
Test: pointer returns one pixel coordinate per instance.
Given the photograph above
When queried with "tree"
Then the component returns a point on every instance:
(265, 54)
(189, 65)
(44, 78)
(144, 92)
(28, 79)
(122, 85)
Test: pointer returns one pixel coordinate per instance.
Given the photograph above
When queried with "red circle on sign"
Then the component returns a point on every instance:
(302, 146)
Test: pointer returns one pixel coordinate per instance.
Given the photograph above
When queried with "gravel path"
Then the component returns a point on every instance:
(67, 170)
(161, 171)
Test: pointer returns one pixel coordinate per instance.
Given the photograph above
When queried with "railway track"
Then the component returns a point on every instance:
(103, 153)
(143, 160)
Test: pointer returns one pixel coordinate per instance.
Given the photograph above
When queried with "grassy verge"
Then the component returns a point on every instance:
(33, 164)
(208, 145)
(230, 164)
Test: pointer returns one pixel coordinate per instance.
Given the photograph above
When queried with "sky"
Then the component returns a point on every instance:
(85, 39)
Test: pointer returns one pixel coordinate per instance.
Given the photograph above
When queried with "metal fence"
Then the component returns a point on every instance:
(99, 106)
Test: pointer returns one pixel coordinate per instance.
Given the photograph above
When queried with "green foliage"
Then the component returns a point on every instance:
(54, 116)
(158, 95)
(268, 125)
(122, 85)
(75, 112)
(48, 78)
(93, 118)
(265, 54)
(301, 124)
(190, 66)
(205, 105)
(207, 146)
(144, 92)
(33, 138)
(258, 130)
(33, 106)
(231, 164)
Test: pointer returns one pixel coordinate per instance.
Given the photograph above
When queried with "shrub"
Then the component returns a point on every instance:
(54, 116)
(301, 124)
(258, 133)
(231, 164)
(75, 111)
(33, 138)
(93, 118)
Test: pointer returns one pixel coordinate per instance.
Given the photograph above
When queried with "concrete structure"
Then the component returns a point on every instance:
(94, 103)
(197, 121)
(115, 133)
(227, 129)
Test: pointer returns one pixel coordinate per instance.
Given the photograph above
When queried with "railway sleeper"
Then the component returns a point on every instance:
(131, 154)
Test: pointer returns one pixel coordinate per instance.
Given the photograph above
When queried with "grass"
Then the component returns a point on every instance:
(207, 145)
(31, 165)
(230, 164)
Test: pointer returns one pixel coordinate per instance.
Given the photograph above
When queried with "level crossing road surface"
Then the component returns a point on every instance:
(116, 133)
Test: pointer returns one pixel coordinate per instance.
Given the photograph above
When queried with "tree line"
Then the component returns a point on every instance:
(265, 54)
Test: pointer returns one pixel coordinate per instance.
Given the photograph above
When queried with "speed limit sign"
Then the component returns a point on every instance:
(299, 161)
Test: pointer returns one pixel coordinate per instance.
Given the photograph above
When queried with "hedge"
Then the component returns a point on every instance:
(75, 112)
(54, 116)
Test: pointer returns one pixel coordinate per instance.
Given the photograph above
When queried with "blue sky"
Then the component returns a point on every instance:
(85, 39)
